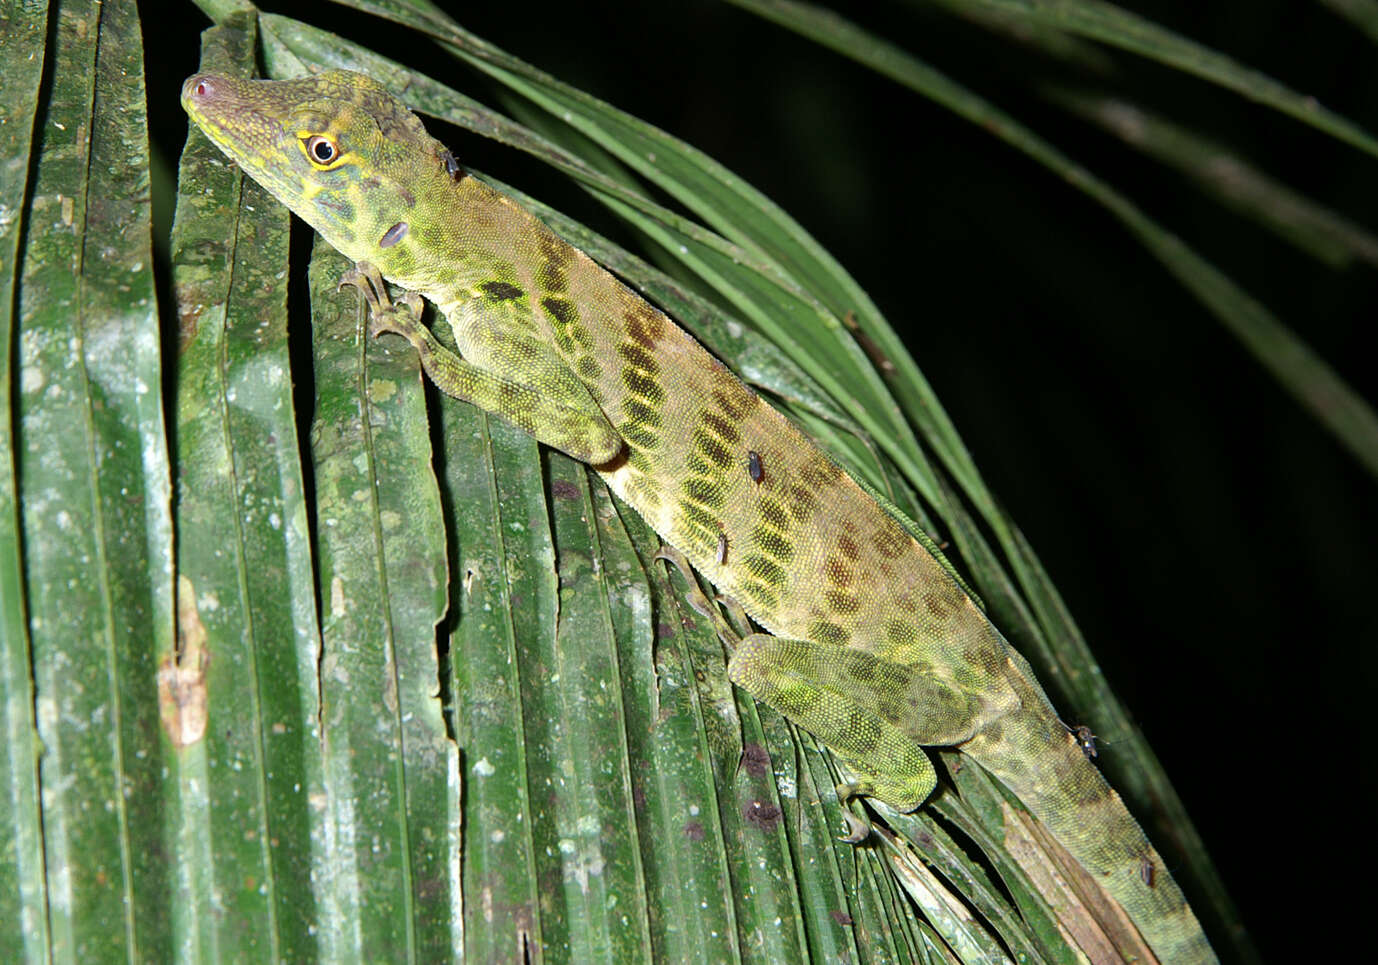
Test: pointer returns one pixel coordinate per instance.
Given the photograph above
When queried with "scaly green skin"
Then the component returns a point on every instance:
(876, 649)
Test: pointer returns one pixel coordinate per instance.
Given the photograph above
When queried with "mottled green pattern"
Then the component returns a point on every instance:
(877, 649)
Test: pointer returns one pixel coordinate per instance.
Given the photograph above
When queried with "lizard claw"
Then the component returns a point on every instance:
(858, 829)
(695, 596)
(384, 316)
(369, 282)
(380, 322)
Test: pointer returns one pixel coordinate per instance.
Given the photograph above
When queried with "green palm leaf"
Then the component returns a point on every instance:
(304, 661)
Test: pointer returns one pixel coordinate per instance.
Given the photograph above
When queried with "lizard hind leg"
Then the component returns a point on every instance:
(805, 682)
(815, 686)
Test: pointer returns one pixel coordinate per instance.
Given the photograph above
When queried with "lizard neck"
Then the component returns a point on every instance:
(458, 238)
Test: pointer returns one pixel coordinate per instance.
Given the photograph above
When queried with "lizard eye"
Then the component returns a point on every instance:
(321, 150)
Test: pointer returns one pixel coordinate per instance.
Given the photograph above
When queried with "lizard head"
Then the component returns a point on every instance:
(336, 148)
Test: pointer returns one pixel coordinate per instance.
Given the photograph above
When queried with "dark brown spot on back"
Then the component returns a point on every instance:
(820, 473)
(645, 325)
(940, 603)
(765, 598)
(890, 540)
(635, 457)
(644, 385)
(848, 547)
(731, 396)
(765, 569)
(641, 413)
(560, 310)
(712, 448)
(802, 503)
(837, 572)
(773, 512)
(638, 358)
(841, 602)
(501, 291)
(725, 430)
(552, 273)
(771, 541)
(703, 525)
(899, 633)
(704, 492)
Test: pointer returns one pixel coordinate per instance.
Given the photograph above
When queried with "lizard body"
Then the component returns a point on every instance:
(874, 647)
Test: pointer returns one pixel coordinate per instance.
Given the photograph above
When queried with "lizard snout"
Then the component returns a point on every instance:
(199, 88)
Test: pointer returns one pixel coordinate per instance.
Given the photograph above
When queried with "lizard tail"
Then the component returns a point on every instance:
(1032, 754)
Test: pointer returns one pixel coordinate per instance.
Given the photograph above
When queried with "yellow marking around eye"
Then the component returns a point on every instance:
(342, 157)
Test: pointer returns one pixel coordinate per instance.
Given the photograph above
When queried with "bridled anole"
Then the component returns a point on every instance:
(873, 647)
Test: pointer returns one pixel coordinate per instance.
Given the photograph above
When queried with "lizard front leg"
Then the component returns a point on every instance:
(518, 377)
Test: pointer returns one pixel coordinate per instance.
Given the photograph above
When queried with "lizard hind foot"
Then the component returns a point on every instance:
(858, 829)
(694, 595)
(698, 600)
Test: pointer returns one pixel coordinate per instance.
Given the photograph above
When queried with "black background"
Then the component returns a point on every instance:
(1214, 543)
